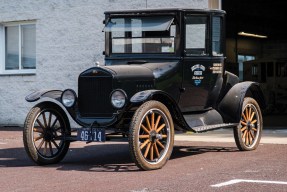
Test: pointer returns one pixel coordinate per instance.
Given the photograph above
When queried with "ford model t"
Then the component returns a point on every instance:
(164, 71)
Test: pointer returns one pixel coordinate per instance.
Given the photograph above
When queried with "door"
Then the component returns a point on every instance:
(203, 62)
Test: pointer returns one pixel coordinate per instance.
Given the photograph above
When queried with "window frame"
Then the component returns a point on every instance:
(207, 36)
(19, 71)
(221, 46)
(109, 38)
(167, 21)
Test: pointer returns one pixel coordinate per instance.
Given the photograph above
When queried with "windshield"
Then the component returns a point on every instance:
(142, 34)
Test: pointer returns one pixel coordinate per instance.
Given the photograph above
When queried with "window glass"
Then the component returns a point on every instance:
(142, 35)
(12, 48)
(160, 23)
(20, 47)
(216, 36)
(196, 35)
(28, 47)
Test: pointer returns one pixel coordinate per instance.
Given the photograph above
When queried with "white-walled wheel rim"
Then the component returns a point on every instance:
(154, 136)
(250, 125)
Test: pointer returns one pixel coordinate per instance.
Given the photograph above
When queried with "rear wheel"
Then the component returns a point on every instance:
(44, 133)
(151, 136)
(247, 134)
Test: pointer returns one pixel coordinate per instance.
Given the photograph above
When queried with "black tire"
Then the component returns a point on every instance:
(45, 128)
(247, 134)
(151, 136)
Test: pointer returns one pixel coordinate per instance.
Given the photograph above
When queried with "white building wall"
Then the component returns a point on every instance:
(69, 39)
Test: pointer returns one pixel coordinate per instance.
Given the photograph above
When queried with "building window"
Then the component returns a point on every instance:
(19, 48)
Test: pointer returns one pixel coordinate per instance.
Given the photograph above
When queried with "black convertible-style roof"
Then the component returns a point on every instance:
(165, 10)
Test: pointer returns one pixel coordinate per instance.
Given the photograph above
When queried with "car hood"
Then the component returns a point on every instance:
(147, 71)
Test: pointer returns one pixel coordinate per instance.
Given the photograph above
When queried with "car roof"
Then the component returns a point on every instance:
(165, 10)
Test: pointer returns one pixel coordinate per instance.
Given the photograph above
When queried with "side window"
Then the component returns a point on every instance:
(196, 35)
(18, 48)
(216, 36)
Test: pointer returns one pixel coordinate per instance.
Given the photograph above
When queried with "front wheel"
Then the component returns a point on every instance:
(44, 133)
(151, 136)
(247, 134)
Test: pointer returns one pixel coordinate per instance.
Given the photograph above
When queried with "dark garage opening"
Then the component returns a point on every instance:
(256, 50)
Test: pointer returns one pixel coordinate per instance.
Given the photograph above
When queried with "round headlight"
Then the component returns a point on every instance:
(68, 98)
(118, 99)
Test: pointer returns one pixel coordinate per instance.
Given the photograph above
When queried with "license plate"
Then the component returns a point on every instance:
(88, 134)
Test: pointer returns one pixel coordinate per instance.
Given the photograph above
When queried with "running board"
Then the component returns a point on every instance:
(201, 129)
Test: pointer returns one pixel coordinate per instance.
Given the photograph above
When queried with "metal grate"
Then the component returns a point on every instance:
(94, 96)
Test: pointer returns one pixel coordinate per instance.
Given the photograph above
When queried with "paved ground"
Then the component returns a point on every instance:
(271, 135)
(195, 165)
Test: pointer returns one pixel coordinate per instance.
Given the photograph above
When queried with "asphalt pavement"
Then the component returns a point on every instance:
(200, 162)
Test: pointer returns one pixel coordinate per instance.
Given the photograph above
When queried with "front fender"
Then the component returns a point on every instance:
(73, 111)
(163, 97)
(53, 94)
(230, 106)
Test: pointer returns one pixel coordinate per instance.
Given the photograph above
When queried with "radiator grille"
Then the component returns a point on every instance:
(94, 96)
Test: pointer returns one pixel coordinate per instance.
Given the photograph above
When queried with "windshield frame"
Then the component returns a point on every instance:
(160, 23)
(108, 36)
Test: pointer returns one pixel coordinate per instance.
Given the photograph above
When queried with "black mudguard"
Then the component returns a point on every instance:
(163, 97)
(230, 106)
(53, 94)
(73, 111)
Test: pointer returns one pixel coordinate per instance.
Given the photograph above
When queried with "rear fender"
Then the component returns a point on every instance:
(230, 106)
(163, 97)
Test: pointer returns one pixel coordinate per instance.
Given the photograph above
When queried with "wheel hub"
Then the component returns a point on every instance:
(153, 136)
(49, 135)
(249, 125)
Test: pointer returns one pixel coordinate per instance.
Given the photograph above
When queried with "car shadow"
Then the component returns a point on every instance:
(11, 128)
(184, 151)
(101, 158)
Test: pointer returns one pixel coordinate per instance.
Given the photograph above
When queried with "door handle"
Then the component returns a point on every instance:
(182, 90)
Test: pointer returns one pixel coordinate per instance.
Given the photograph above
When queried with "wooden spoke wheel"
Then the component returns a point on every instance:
(44, 134)
(151, 136)
(248, 133)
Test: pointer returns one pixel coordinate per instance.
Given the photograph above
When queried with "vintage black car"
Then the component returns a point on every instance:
(164, 71)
